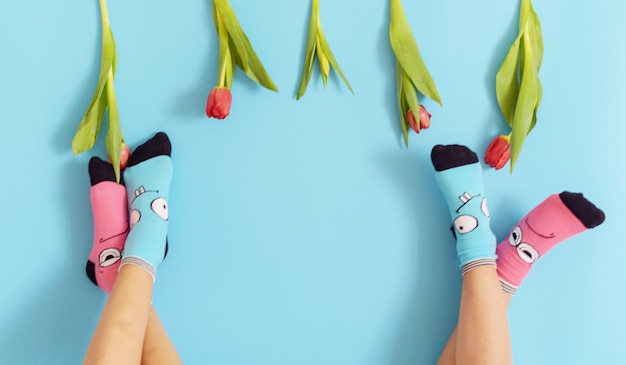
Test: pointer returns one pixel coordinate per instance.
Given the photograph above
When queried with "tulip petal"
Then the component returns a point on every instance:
(408, 54)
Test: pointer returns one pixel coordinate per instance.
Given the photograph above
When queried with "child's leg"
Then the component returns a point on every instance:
(157, 346)
(147, 178)
(128, 322)
(110, 219)
(556, 219)
(482, 333)
(120, 333)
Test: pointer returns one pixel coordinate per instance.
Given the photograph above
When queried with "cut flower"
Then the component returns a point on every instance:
(103, 99)
(317, 45)
(499, 152)
(218, 103)
(411, 72)
(518, 88)
(424, 121)
(235, 49)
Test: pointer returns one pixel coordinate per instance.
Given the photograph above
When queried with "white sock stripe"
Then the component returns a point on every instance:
(474, 264)
(507, 288)
(137, 261)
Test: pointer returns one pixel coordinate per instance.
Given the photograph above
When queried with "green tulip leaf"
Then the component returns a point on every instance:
(518, 88)
(324, 49)
(507, 84)
(527, 102)
(114, 137)
(318, 45)
(103, 98)
(226, 66)
(408, 54)
(323, 62)
(410, 95)
(247, 57)
(402, 109)
(311, 46)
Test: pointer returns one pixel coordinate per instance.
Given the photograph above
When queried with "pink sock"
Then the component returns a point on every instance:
(556, 219)
(110, 219)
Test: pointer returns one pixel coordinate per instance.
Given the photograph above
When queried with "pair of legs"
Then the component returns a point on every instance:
(130, 241)
(493, 272)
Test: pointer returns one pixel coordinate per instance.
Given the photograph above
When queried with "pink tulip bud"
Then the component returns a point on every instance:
(218, 103)
(424, 119)
(499, 152)
(124, 156)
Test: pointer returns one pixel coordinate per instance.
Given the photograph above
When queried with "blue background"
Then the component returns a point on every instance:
(303, 232)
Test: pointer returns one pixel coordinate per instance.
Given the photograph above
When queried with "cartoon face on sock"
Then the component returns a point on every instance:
(111, 255)
(467, 221)
(147, 198)
(535, 231)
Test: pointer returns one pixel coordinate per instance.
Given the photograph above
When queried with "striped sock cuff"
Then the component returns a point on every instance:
(137, 261)
(474, 264)
(507, 288)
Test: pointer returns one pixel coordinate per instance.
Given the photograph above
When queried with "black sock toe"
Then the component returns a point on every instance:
(90, 269)
(100, 171)
(159, 145)
(450, 156)
(588, 214)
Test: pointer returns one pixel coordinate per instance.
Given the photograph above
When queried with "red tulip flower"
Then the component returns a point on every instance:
(124, 156)
(218, 103)
(424, 119)
(499, 152)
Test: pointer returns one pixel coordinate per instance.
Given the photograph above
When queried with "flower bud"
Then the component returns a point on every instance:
(499, 152)
(424, 119)
(218, 103)
(124, 156)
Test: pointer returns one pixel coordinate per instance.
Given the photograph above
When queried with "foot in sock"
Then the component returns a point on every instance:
(147, 179)
(110, 218)
(556, 219)
(459, 176)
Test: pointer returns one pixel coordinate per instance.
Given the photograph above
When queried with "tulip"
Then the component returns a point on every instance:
(124, 156)
(499, 152)
(424, 119)
(218, 103)
(317, 45)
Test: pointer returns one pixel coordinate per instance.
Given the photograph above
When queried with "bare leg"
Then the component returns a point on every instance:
(157, 346)
(563, 215)
(448, 355)
(120, 333)
(482, 335)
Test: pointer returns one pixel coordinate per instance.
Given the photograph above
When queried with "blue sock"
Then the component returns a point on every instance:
(459, 176)
(147, 179)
